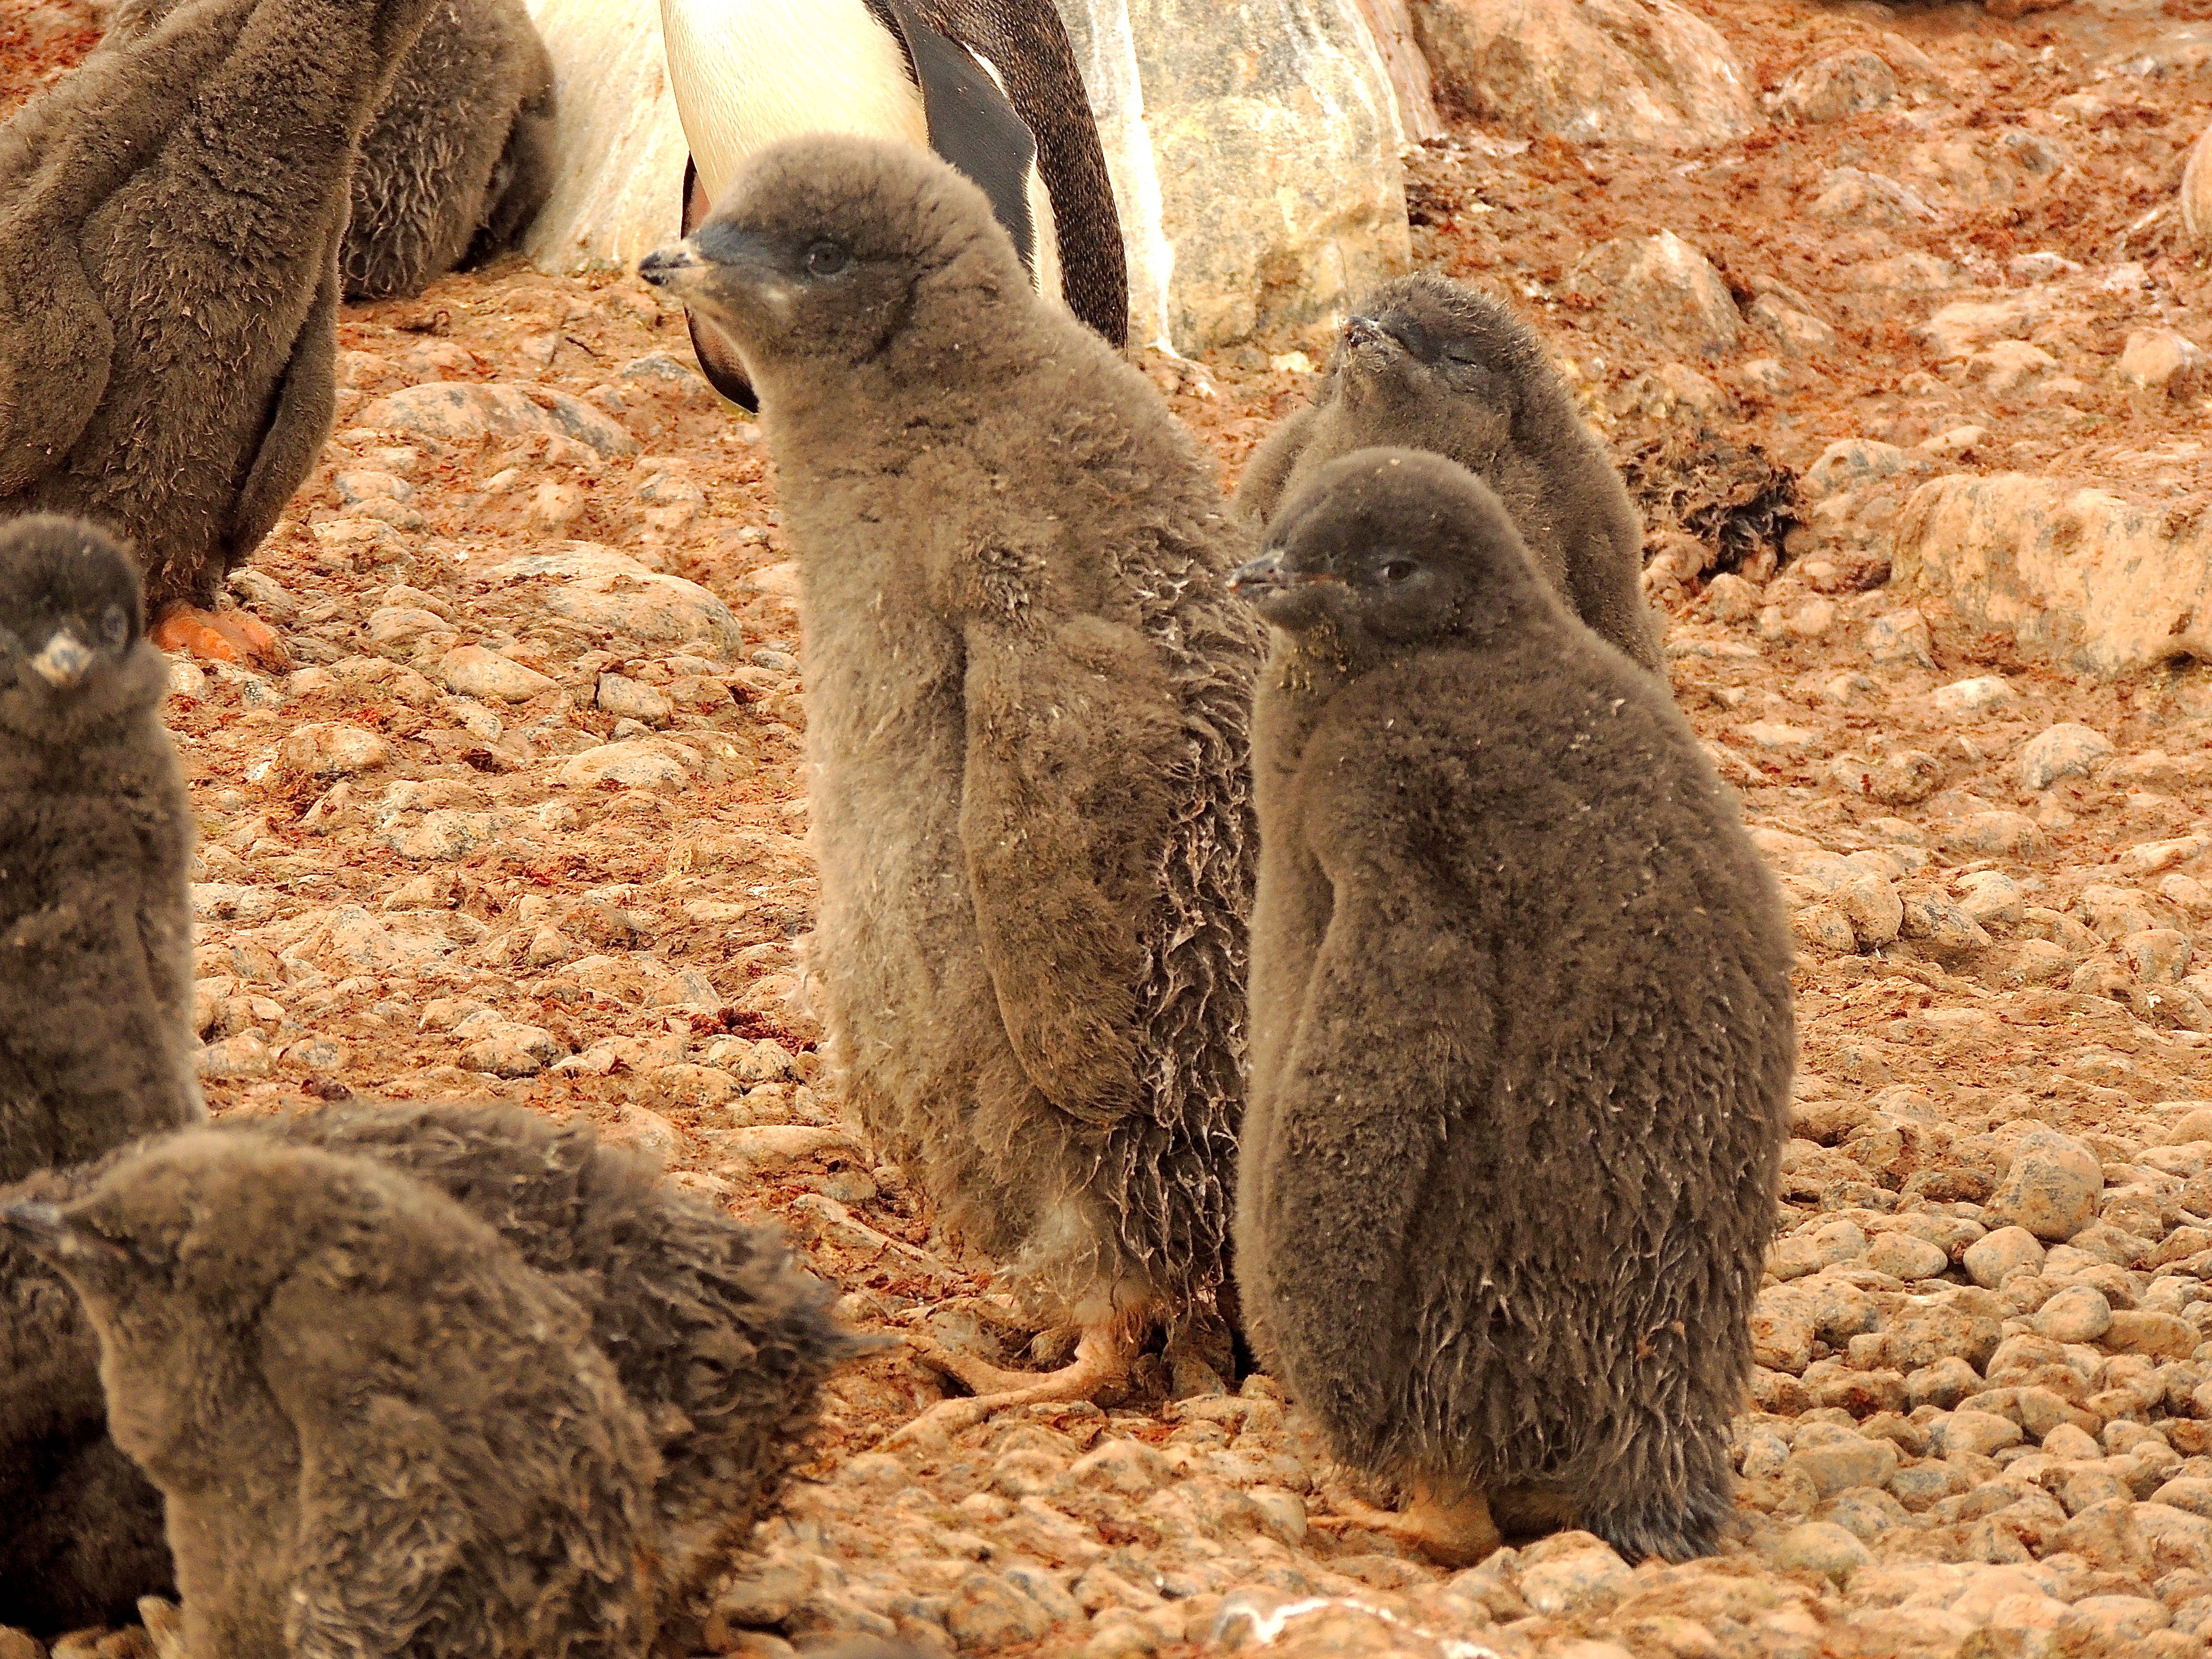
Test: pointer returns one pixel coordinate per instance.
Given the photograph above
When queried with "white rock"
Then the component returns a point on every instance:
(460, 412)
(2096, 582)
(471, 670)
(1900, 637)
(589, 583)
(2066, 750)
(1664, 289)
(1644, 72)
(329, 750)
(639, 764)
(1985, 691)
(2052, 1188)
(624, 697)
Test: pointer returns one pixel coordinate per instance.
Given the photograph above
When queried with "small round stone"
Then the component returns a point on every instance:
(2081, 1314)
(1824, 1547)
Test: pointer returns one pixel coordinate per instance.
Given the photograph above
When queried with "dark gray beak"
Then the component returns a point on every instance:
(1363, 331)
(1265, 572)
(62, 662)
(674, 266)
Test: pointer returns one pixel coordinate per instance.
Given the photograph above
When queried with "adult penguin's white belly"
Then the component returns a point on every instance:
(750, 73)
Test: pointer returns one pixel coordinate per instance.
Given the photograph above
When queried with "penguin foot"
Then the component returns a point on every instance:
(165, 1626)
(1102, 1358)
(224, 635)
(1454, 1533)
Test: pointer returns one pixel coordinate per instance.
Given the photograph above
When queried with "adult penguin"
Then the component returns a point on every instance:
(989, 85)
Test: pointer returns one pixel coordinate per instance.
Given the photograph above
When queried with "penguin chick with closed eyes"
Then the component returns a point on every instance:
(95, 843)
(1429, 364)
(1522, 1035)
(375, 1428)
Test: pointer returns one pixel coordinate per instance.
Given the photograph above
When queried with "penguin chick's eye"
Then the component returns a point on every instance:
(1398, 571)
(826, 259)
(114, 626)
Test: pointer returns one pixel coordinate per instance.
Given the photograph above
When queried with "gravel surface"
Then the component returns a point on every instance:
(527, 818)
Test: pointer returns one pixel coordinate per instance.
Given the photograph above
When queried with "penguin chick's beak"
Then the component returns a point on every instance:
(676, 267)
(44, 1230)
(1364, 331)
(1265, 572)
(62, 662)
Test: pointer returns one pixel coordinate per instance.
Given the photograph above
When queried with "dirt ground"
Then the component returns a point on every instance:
(570, 869)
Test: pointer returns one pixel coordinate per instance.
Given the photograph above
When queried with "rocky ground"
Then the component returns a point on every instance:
(528, 818)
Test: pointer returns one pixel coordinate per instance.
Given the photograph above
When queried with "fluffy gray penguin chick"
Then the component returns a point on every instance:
(1508, 1172)
(1027, 697)
(375, 1428)
(170, 215)
(720, 1339)
(459, 157)
(1429, 364)
(96, 846)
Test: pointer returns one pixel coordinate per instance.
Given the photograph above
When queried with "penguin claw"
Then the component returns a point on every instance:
(1455, 1534)
(165, 1626)
(224, 635)
(1102, 1358)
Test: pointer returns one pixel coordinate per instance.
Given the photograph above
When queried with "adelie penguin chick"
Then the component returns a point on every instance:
(718, 1337)
(170, 216)
(459, 157)
(1027, 695)
(375, 1428)
(95, 844)
(1429, 364)
(1508, 1172)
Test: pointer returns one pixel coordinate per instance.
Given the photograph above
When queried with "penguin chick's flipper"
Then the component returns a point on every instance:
(222, 635)
(972, 123)
(299, 424)
(718, 359)
(1062, 737)
(1453, 1533)
(1102, 1354)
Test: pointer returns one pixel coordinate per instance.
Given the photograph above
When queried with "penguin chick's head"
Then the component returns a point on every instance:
(72, 638)
(1425, 336)
(827, 249)
(1386, 548)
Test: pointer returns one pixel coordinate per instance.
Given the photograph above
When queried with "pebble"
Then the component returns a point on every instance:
(1821, 1547)
(329, 749)
(2052, 1188)
(1996, 1255)
(471, 670)
(637, 764)
(2066, 750)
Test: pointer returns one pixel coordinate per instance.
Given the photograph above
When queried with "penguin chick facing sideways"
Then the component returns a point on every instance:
(95, 844)
(990, 86)
(1027, 700)
(717, 1335)
(1429, 364)
(170, 216)
(375, 1428)
(1508, 1170)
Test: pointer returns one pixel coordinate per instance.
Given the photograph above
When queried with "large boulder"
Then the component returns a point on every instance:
(2082, 577)
(1254, 155)
(618, 146)
(1644, 72)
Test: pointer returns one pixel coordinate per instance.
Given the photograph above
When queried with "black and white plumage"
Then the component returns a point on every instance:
(1027, 693)
(991, 86)
(1508, 1170)
(95, 844)
(1429, 364)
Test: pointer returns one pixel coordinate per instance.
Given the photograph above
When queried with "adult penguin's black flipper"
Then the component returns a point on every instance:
(971, 123)
(718, 359)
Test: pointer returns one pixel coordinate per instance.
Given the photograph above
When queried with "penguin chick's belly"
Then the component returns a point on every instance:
(750, 73)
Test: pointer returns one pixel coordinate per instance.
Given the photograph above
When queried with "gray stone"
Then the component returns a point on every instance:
(1637, 72)
(2066, 750)
(1995, 1256)
(620, 696)
(595, 584)
(1901, 636)
(1664, 289)
(461, 411)
(1902, 1256)
(507, 1048)
(471, 670)
(640, 765)
(1850, 1461)
(329, 749)
(1583, 1581)
(984, 1614)
(1821, 1547)
(2052, 1188)
(1843, 84)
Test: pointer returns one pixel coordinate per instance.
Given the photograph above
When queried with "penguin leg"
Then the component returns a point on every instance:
(1102, 1354)
(224, 635)
(1455, 1532)
(165, 1626)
